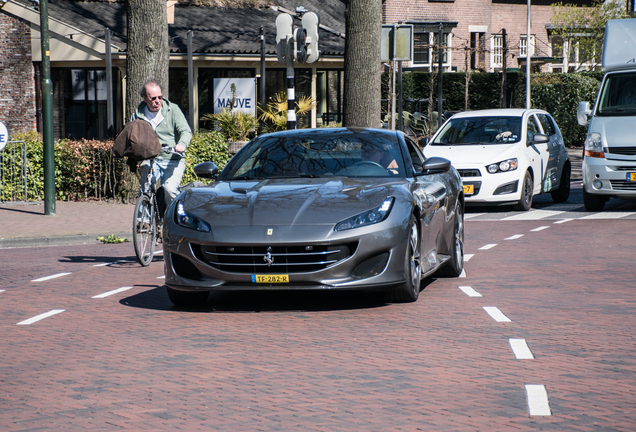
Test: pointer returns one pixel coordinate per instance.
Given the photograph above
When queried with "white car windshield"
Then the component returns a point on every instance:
(480, 130)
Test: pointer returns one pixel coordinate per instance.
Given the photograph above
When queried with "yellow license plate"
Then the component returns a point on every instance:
(631, 177)
(469, 189)
(270, 278)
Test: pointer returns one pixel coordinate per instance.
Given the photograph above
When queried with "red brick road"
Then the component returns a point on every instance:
(328, 361)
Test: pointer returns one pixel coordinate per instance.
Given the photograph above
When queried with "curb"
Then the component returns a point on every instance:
(22, 242)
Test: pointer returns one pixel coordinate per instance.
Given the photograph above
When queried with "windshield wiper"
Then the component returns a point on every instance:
(308, 175)
(244, 177)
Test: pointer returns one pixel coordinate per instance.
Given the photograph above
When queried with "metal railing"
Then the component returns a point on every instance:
(14, 173)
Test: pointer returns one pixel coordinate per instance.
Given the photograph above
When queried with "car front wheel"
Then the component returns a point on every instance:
(525, 202)
(410, 290)
(593, 202)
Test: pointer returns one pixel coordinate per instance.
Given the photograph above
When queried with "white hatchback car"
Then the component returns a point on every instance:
(505, 156)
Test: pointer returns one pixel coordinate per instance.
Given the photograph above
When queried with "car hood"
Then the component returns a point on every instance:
(473, 155)
(289, 202)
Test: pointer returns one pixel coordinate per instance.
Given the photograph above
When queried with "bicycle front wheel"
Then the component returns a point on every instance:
(144, 230)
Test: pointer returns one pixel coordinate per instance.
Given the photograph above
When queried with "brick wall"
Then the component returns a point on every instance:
(494, 16)
(17, 88)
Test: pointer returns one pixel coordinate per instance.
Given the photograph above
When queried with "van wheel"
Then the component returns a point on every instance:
(525, 202)
(593, 202)
(563, 192)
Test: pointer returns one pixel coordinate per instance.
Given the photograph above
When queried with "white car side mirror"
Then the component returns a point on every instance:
(583, 113)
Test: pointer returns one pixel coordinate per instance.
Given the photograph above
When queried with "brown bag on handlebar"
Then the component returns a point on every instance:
(137, 141)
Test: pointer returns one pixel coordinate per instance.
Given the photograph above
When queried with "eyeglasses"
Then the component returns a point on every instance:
(154, 98)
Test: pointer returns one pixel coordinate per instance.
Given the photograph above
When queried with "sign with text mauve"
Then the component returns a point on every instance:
(245, 97)
(4, 136)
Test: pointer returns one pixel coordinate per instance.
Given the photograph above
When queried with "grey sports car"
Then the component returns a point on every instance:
(316, 209)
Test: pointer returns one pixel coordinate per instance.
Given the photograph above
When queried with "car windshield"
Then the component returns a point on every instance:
(618, 96)
(318, 154)
(480, 130)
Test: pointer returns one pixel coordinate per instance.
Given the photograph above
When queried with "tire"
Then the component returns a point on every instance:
(144, 230)
(563, 192)
(593, 202)
(455, 266)
(187, 298)
(525, 202)
(410, 290)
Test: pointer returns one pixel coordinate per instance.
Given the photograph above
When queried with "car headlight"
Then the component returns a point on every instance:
(188, 220)
(369, 217)
(594, 145)
(503, 166)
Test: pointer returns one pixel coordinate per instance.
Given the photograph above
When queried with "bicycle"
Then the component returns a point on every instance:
(149, 210)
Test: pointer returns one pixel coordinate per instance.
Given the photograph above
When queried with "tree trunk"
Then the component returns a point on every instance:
(362, 63)
(148, 53)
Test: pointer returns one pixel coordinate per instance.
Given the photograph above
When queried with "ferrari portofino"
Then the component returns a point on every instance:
(312, 209)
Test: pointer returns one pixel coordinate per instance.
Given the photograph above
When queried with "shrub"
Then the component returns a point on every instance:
(205, 146)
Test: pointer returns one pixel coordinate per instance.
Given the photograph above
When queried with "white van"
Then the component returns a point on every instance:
(609, 161)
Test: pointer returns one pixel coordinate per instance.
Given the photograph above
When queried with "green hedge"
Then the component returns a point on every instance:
(86, 169)
(559, 94)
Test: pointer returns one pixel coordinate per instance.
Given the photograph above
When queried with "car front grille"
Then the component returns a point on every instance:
(623, 185)
(625, 168)
(625, 151)
(287, 259)
(469, 172)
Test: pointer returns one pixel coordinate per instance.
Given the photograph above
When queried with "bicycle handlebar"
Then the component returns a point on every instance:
(170, 150)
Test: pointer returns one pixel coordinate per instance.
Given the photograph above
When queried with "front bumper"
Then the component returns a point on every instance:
(608, 177)
(499, 188)
(375, 263)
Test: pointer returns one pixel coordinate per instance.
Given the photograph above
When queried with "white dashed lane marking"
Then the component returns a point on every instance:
(514, 237)
(469, 291)
(109, 293)
(41, 317)
(538, 404)
(463, 274)
(468, 257)
(533, 215)
(42, 279)
(520, 349)
(563, 221)
(541, 228)
(161, 277)
(607, 215)
(496, 314)
(488, 246)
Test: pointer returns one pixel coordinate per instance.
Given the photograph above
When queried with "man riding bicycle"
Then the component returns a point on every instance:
(171, 126)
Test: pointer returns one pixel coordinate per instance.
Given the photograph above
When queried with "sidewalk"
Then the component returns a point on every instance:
(25, 225)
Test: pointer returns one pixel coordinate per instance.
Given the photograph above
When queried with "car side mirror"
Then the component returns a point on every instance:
(583, 113)
(539, 139)
(435, 165)
(206, 170)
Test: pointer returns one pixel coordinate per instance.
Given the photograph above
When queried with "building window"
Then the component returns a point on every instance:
(496, 51)
(478, 50)
(523, 46)
(424, 51)
(421, 49)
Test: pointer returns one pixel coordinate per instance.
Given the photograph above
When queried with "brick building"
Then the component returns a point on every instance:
(473, 29)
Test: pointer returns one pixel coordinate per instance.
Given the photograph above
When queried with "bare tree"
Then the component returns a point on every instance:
(362, 63)
(148, 53)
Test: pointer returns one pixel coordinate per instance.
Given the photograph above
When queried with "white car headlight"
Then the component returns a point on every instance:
(369, 217)
(188, 220)
(594, 145)
(503, 166)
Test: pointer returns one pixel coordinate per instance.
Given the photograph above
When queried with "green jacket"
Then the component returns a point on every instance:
(172, 130)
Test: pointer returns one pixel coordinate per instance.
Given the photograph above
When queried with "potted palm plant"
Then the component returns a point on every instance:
(274, 114)
(237, 126)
